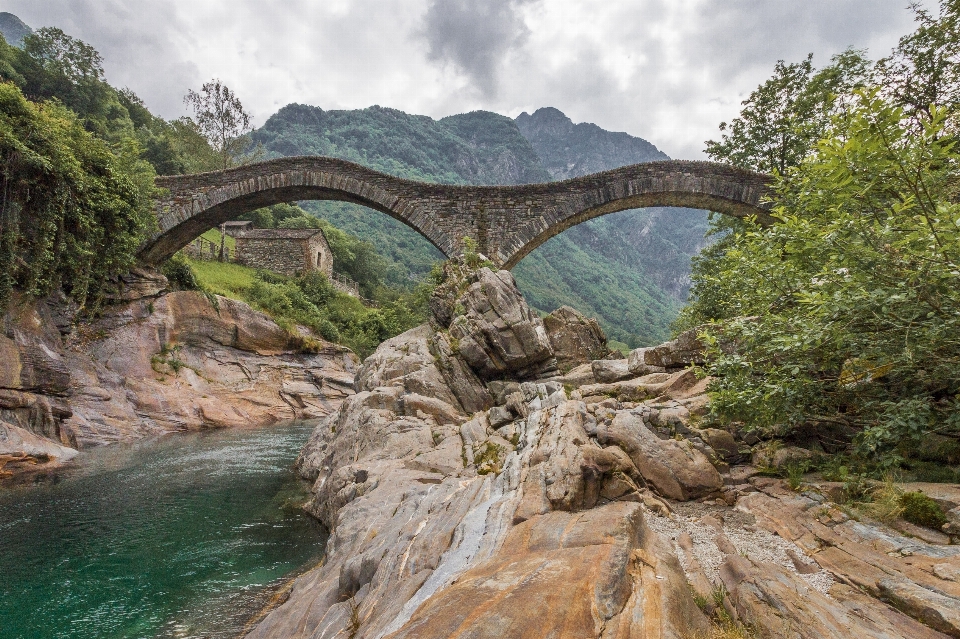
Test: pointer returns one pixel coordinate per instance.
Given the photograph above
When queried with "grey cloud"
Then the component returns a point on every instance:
(474, 35)
(743, 33)
(682, 87)
(138, 42)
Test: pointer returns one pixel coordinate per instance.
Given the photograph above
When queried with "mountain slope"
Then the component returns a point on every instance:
(472, 148)
(571, 150)
(630, 269)
(13, 29)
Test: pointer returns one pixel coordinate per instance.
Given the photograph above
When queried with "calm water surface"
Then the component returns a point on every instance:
(185, 536)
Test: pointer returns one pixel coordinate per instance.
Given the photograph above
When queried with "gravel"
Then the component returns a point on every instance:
(755, 543)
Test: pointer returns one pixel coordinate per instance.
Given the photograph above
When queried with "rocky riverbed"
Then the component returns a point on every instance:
(498, 475)
(157, 363)
(491, 474)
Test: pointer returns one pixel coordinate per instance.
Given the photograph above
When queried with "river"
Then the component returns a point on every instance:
(187, 535)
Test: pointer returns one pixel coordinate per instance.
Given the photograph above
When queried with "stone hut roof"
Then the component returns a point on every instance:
(278, 234)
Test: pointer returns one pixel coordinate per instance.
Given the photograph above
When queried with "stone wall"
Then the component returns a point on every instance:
(507, 222)
(284, 251)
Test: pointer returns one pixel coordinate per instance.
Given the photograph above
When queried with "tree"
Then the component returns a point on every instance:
(785, 116)
(924, 69)
(55, 65)
(73, 210)
(843, 317)
(221, 119)
(854, 313)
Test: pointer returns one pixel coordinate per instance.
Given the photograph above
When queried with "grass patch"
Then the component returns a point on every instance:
(222, 278)
(213, 235)
(310, 300)
(922, 510)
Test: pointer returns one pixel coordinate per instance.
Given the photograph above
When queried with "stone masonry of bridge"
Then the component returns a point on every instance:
(507, 222)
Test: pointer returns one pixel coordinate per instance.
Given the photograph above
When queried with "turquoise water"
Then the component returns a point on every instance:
(184, 536)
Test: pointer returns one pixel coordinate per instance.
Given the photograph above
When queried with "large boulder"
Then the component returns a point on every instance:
(607, 371)
(576, 339)
(685, 350)
(675, 469)
(496, 333)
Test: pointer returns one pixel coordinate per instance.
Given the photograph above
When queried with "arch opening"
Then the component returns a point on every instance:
(538, 234)
(628, 269)
(172, 240)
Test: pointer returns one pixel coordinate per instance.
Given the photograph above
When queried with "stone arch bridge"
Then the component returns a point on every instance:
(507, 222)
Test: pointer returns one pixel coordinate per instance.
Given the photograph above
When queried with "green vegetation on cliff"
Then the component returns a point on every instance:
(310, 300)
(74, 208)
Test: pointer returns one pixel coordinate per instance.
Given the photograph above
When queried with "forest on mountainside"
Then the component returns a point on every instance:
(630, 270)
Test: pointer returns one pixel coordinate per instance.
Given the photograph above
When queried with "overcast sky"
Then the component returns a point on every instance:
(665, 70)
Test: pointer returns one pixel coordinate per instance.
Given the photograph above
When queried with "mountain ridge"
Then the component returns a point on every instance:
(13, 29)
(629, 269)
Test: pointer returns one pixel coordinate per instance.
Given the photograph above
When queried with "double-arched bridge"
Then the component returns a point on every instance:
(507, 222)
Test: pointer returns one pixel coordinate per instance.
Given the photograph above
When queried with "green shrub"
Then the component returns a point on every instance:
(922, 510)
(179, 273)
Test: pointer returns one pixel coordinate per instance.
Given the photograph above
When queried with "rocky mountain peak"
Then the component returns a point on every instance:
(570, 150)
(13, 29)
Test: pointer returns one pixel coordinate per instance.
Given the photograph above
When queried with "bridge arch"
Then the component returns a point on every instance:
(507, 222)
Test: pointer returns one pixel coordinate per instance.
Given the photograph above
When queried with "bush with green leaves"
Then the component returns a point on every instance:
(310, 300)
(846, 312)
(921, 510)
(75, 208)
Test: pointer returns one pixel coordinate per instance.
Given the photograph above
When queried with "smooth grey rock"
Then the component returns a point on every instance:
(637, 364)
(685, 350)
(676, 469)
(500, 415)
(497, 334)
(606, 371)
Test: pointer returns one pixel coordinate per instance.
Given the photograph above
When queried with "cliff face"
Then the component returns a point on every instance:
(163, 363)
(471, 491)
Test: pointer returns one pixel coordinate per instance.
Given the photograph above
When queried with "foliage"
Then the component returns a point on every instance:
(310, 300)
(885, 501)
(847, 311)
(922, 510)
(844, 315)
(178, 272)
(73, 209)
(785, 116)
(54, 66)
(221, 119)
(924, 68)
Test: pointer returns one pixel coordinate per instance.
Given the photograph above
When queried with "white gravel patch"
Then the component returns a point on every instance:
(754, 543)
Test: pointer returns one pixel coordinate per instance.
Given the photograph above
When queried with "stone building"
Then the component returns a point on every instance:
(236, 226)
(287, 251)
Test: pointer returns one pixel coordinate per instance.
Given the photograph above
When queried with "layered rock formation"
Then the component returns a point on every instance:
(532, 505)
(163, 363)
